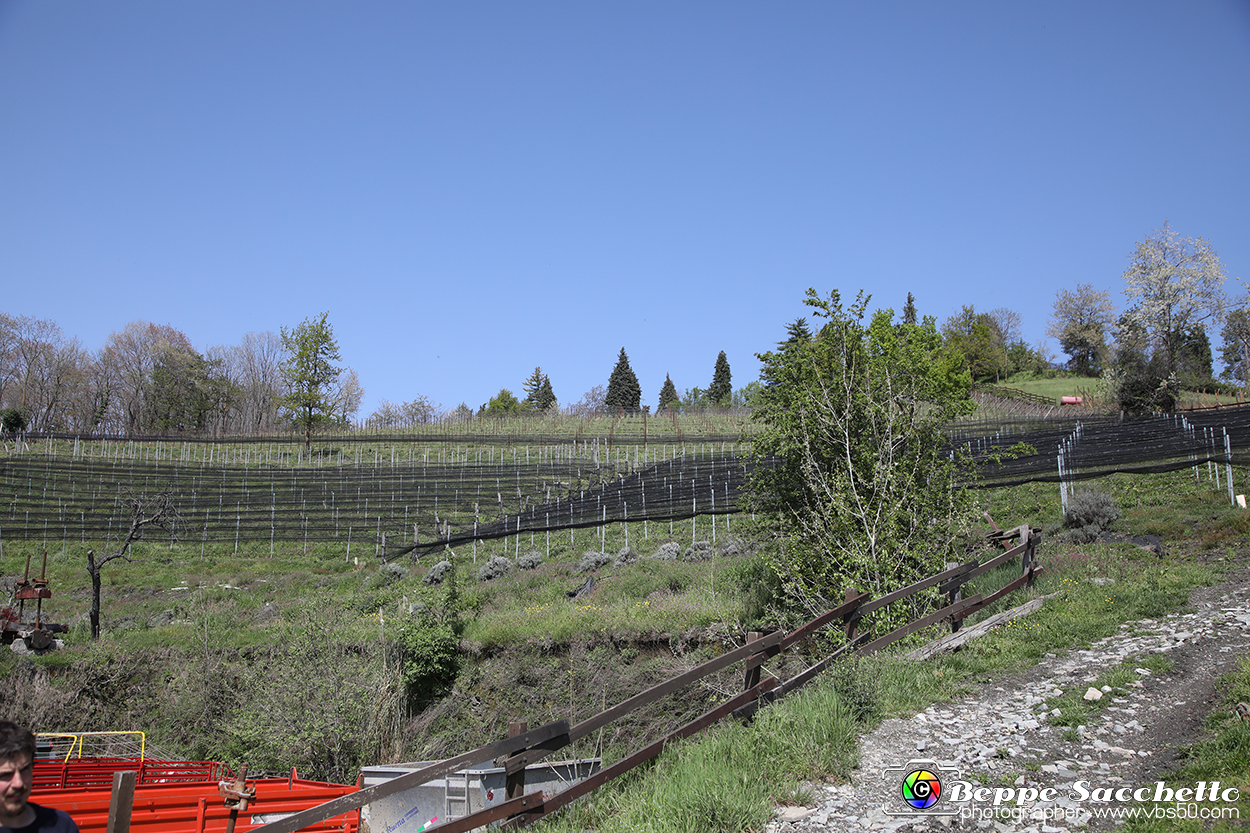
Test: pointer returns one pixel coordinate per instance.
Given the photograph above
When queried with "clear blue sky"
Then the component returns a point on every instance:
(475, 189)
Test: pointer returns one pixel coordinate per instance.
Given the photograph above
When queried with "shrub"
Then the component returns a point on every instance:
(627, 555)
(12, 421)
(733, 546)
(430, 657)
(388, 574)
(529, 560)
(1089, 512)
(592, 561)
(497, 567)
(438, 573)
(667, 552)
(698, 551)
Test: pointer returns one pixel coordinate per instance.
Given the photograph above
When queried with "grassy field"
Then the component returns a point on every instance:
(1091, 390)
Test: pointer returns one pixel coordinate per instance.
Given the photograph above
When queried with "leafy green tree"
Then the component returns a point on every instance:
(188, 393)
(977, 337)
(669, 400)
(431, 658)
(502, 404)
(1140, 381)
(720, 392)
(1081, 321)
(624, 392)
(538, 393)
(1194, 368)
(1173, 283)
(744, 397)
(863, 494)
(310, 373)
(694, 398)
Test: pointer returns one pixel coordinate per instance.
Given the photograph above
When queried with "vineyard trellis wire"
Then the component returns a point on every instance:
(427, 499)
(384, 507)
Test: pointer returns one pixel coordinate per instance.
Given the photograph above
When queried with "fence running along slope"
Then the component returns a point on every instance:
(526, 746)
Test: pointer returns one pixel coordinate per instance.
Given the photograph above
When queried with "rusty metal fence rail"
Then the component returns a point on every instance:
(526, 746)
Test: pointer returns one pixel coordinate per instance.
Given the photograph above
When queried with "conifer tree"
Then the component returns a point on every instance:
(624, 391)
(720, 392)
(797, 332)
(909, 310)
(538, 393)
(668, 396)
(546, 396)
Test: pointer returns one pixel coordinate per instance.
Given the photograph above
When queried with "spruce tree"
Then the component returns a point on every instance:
(668, 396)
(624, 391)
(720, 392)
(546, 396)
(538, 393)
(797, 332)
(909, 310)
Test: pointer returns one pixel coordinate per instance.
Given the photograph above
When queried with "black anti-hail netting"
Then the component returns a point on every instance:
(389, 508)
(378, 507)
(1081, 449)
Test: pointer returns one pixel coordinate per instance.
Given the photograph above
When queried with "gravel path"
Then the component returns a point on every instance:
(1000, 737)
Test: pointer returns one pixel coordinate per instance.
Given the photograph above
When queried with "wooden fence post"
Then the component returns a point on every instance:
(1026, 560)
(956, 594)
(852, 618)
(122, 802)
(515, 781)
(751, 677)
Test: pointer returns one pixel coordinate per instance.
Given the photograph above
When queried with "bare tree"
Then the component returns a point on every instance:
(1008, 321)
(255, 369)
(145, 511)
(1081, 320)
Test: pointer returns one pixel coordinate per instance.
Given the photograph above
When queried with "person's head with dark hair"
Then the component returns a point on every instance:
(15, 740)
(17, 762)
(17, 775)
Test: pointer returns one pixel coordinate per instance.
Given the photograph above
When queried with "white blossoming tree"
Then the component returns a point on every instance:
(1173, 284)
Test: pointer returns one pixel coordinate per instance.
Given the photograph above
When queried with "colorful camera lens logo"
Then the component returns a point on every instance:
(921, 789)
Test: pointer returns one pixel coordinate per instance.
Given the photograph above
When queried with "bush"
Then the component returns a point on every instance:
(592, 561)
(431, 657)
(698, 551)
(529, 560)
(497, 567)
(1089, 512)
(733, 546)
(670, 551)
(12, 421)
(438, 573)
(627, 555)
(388, 574)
